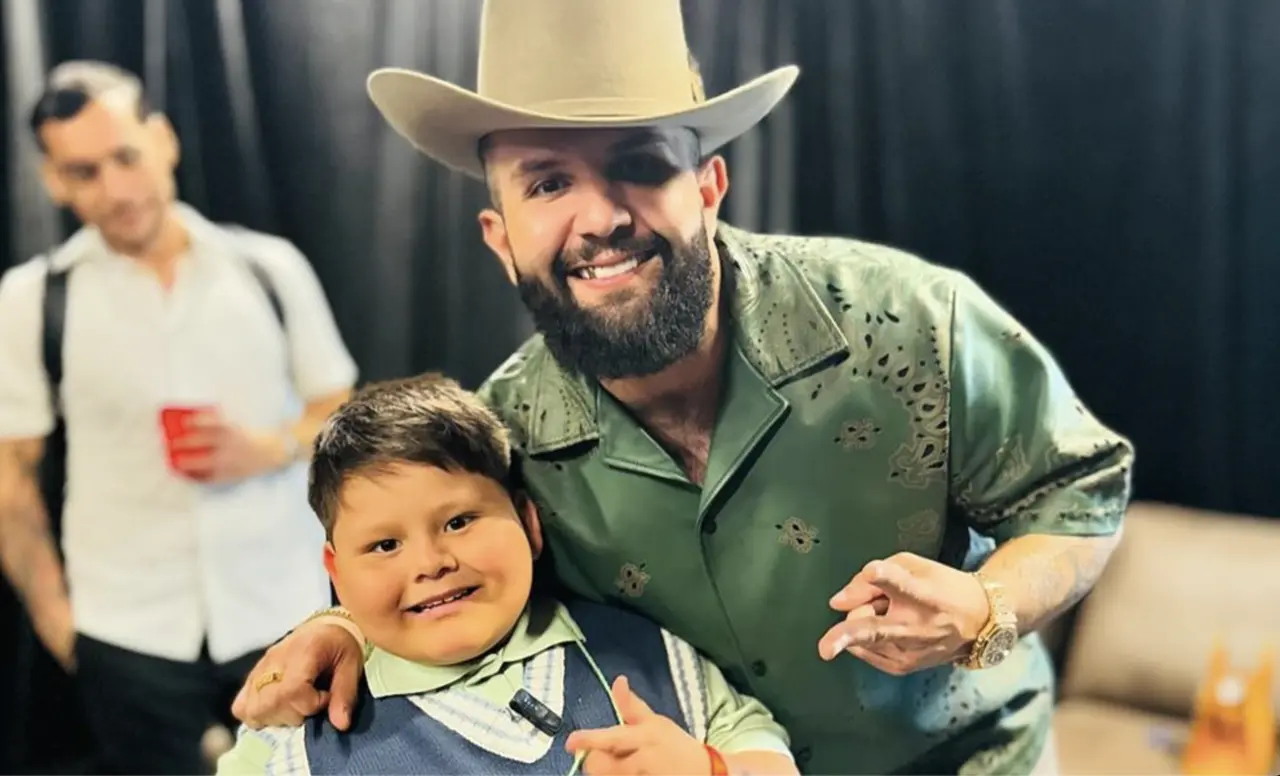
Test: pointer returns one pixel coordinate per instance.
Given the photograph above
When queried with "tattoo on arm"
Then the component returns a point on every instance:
(28, 555)
(1046, 575)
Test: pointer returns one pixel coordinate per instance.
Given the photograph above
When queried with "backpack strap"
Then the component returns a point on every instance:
(54, 324)
(268, 287)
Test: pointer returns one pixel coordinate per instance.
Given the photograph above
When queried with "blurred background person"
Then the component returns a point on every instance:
(192, 364)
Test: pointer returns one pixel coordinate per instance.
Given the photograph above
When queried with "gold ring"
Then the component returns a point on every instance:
(270, 677)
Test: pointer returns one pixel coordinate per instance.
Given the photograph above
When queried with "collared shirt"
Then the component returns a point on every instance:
(532, 656)
(872, 403)
(155, 561)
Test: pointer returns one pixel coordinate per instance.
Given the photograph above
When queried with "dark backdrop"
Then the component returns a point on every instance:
(1105, 169)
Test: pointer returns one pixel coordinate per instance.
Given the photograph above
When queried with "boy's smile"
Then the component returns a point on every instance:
(435, 566)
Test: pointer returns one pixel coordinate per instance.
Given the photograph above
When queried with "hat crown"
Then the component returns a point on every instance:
(587, 58)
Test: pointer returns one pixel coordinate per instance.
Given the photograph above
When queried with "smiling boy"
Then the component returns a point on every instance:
(471, 667)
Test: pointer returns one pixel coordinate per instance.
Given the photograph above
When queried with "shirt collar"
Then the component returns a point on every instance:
(87, 242)
(779, 324)
(544, 624)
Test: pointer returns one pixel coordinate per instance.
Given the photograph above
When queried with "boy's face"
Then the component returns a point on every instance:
(434, 566)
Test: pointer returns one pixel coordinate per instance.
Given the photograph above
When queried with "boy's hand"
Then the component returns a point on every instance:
(645, 743)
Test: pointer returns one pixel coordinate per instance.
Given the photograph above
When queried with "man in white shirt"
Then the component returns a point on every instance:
(184, 558)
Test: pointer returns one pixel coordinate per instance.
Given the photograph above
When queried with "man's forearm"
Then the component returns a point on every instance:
(1044, 575)
(28, 554)
(313, 418)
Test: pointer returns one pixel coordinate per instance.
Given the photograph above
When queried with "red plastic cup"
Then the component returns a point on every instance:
(176, 422)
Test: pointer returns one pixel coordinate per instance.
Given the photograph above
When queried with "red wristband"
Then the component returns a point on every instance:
(718, 766)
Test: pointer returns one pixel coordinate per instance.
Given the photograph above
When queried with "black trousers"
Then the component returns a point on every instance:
(148, 714)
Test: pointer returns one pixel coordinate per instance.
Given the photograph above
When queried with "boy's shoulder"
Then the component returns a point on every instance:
(279, 750)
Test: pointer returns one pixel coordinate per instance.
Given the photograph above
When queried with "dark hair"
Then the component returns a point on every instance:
(71, 86)
(428, 419)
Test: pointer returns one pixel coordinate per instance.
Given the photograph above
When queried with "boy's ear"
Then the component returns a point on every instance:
(329, 565)
(528, 512)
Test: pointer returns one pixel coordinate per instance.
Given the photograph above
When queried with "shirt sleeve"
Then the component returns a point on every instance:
(278, 751)
(26, 408)
(319, 358)
(716, 713)
(1026, 455)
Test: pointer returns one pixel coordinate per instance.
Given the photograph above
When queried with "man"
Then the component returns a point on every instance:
(186, 552)
(782, 449)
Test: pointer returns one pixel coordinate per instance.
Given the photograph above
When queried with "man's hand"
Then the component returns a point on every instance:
(907, 613)
(215, 451)
(645, 743)
(314, 650)
(57, 632)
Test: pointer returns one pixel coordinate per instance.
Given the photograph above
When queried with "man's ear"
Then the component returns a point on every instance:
(164, 139)
(528, 512)
(713, 185)
(494, 231)
(53, 184)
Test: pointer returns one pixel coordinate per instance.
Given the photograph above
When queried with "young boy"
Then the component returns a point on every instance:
(470, 668)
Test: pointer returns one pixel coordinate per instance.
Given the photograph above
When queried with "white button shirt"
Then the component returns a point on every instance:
(155, 562)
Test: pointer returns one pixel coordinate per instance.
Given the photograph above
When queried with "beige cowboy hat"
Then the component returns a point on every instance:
(580, 64)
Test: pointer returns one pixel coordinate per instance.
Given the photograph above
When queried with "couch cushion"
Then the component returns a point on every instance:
(1179, 579)
(1096, 737)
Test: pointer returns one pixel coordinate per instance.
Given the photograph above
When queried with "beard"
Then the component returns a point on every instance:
(634, 337)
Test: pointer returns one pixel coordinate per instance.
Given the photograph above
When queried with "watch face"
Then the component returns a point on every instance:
(999, 646)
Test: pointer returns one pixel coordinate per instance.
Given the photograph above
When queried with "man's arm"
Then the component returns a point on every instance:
(1031, 466)
(28, 554)
(1044, 576)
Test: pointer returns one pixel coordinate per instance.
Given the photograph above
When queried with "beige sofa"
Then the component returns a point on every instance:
(1135, 650)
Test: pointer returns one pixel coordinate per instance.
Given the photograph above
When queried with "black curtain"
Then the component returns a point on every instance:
(1103, 168)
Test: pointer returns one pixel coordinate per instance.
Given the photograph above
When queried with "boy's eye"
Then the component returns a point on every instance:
(384, 545)
(459, 522)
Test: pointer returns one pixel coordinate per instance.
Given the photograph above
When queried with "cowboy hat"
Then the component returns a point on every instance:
(578, 64)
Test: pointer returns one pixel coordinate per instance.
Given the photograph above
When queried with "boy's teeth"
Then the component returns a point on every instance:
(613, 270)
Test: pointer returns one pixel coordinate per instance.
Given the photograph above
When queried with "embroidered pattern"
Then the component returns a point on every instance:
(798, 535)
(919, 531)
(858, 435)
(631, 580)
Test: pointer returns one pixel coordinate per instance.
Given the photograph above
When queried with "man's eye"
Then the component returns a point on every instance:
(546, 187)
(644, 170)
(459, 522)
(82, 173)
(127, 157)
(384, 545)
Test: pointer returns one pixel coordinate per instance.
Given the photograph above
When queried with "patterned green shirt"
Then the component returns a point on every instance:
(872, 403)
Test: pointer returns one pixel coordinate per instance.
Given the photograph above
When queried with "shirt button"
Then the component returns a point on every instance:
(759, 668)
(803, 755)
(709, 526)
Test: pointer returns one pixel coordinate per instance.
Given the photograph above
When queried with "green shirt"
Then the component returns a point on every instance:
(872, 403)
(716, 713)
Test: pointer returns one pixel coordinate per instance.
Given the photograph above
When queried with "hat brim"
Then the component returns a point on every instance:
(446, 122)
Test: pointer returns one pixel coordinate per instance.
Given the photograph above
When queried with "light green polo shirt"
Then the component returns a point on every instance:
(872, 403)
(715, 711)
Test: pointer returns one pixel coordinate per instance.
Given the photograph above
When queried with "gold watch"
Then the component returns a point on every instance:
(999, 636)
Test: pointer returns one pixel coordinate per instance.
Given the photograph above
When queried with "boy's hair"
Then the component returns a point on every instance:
(428, 420)
(71, 86)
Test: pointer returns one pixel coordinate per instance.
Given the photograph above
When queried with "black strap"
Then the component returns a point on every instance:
(269, 288)
(55, 318)
(53, 326)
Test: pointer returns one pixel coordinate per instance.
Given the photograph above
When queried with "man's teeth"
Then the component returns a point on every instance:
(613, 270)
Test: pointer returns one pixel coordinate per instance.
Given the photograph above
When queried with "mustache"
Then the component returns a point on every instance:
(630, 246)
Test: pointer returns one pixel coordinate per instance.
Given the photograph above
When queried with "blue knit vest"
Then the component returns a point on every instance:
(392, 736)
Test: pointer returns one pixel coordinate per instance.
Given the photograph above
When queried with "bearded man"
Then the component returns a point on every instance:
(844, 473)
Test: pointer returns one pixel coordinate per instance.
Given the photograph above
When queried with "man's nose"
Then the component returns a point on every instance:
(117, 181)
(601, 213)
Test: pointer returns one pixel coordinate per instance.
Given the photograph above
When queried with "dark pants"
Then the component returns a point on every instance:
(148, 714)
